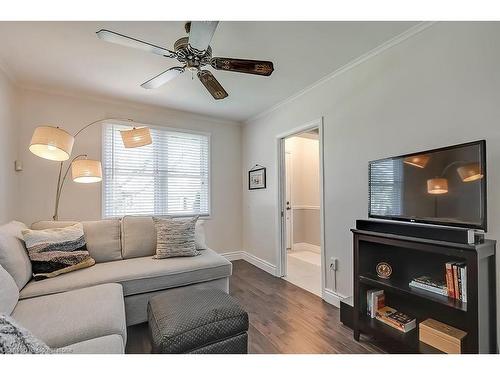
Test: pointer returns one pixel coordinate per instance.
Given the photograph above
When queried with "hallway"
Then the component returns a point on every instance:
(304, 270)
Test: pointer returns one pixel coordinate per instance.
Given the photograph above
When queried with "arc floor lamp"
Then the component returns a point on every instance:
(54, 143)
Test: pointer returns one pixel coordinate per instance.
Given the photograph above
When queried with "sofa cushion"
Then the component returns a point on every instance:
(139, 236)
(66, 318)
(9, 293)
(56, 251)
(102, 237)
(110, 344)
(13, 255)
(199, 235)
(138, 275)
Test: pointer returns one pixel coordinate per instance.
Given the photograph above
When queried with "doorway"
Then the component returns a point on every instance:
(301, 176)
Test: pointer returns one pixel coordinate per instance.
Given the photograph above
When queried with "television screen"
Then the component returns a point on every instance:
(446, 186)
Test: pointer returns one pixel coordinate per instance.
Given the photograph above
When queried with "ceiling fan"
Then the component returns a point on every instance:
(194, 52)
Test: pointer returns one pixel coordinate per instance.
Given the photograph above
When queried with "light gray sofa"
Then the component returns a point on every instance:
(88, 310)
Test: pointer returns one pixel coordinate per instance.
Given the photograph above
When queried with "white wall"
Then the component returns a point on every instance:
(8, 149)
(439, 87)
(37, 183)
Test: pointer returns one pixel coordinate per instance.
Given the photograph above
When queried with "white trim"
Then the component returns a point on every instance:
(324, 263)
(412, 31)
(332, 298)
(304, 246)
(260, 263)
(305, 207)
(279, 176)
(129, 103)
(252, 259)
(234, 255)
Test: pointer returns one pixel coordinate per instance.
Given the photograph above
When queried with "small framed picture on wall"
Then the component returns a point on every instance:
(257, 178)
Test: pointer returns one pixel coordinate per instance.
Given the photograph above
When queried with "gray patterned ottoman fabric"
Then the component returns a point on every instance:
(189, 320)
(233, 345)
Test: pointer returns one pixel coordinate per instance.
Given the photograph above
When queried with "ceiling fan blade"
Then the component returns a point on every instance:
(163, 78)
(201, 33)
(212, 85)
(111, 36)
(261, 68)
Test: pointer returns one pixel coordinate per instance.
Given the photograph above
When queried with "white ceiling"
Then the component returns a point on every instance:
(68, 56)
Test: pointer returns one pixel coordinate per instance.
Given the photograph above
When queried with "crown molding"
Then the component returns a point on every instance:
(412, 31)
(88, 96)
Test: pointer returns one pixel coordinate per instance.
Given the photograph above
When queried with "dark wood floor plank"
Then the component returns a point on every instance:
(283, 318)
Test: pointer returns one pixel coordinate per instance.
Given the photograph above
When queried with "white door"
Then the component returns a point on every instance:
(288, 201)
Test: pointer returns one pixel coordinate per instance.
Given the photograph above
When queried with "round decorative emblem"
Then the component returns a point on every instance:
(384, 270)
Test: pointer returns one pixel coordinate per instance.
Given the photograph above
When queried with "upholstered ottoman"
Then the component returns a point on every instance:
(198, 321)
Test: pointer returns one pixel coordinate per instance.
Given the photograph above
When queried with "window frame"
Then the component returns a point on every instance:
(158, 127)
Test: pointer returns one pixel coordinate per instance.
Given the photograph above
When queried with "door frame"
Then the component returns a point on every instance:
(281, 198)
(289, 174)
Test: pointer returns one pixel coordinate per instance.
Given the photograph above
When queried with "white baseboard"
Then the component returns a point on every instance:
(304, 246)
(252, 259)
(260, 263)
(332, 297)
(234, 255)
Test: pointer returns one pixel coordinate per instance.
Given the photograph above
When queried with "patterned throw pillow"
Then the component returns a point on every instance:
(57, 250)
(15, 339)
(175, 237)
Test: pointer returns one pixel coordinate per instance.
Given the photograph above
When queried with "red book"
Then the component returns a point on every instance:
(450, 285)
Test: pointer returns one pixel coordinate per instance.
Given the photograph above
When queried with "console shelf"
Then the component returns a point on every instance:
(413, 257)
(400, 342)
(402, 287)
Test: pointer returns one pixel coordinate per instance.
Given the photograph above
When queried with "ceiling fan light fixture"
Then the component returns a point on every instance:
(193, 52)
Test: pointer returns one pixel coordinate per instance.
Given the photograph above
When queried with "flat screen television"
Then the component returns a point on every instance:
(445, 186)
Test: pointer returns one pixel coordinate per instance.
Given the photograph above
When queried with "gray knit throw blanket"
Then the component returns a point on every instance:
(15, 339)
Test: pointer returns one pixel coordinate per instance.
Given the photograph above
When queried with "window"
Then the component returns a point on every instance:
(168, 177)
(386, 178)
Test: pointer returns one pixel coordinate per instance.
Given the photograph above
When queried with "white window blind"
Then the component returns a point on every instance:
(386, 179)
(168, 177)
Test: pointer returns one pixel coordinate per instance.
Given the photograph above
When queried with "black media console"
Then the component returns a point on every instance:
(412, 257)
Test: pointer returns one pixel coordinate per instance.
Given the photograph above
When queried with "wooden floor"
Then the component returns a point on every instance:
(283, 318)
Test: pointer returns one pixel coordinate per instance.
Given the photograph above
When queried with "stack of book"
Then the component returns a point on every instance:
(454, 287)
(456, 280)
(430, 285)
(396, 319)
(375, 301)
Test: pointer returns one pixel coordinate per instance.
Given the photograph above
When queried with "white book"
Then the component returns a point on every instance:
(369, 301)
(374, 304)
(463, 275)
(429, 288)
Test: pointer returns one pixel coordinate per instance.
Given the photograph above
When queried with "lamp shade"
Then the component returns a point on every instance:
(86, 171)
(470, 172)
(136, 137)
(419, 161)
(437, 186)
(51, 143)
